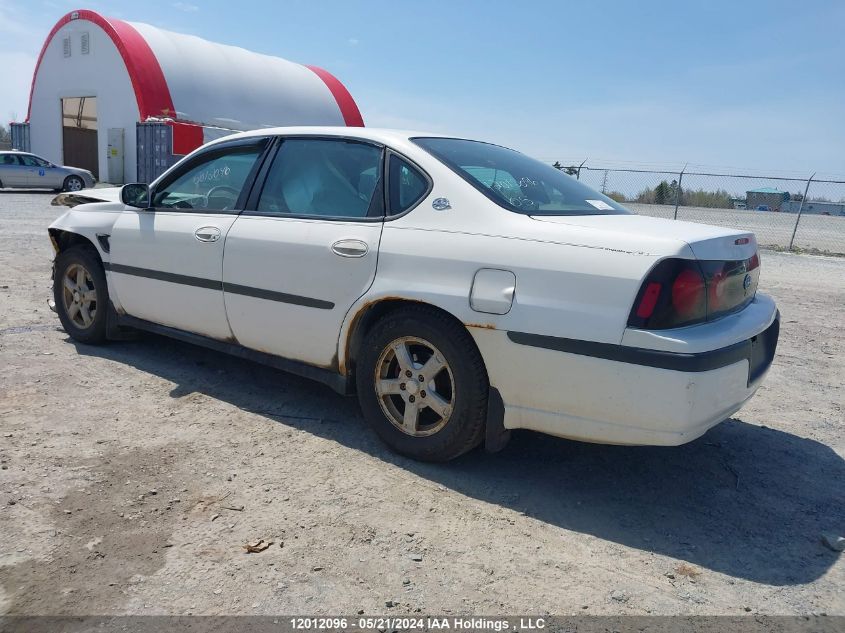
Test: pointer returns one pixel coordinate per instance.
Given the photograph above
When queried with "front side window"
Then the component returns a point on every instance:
(407, 185)
(517, 182)
(213, 183)
(325, 178)
(33, 161)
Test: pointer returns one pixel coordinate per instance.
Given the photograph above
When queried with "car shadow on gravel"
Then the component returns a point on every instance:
(747, 501)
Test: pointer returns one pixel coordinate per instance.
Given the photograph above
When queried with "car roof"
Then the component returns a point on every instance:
(380, 135)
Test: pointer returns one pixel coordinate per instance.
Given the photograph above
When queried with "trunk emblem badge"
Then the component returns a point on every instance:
(746, 283)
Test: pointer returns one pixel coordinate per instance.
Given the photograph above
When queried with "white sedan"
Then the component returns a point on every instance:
(460, 288)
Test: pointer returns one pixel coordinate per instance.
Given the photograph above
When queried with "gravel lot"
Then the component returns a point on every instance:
(133, 474)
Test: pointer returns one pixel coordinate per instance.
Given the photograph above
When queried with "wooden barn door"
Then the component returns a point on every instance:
(79, 134)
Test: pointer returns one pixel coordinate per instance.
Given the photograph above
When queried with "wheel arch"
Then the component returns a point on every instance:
(366, 315)
(68, 177)
(63, 239)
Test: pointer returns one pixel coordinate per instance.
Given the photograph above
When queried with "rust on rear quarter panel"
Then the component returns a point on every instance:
(342, 369)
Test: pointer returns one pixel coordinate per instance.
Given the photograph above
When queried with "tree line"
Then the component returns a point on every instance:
(5, 137)
(666, 193)
(671, 192)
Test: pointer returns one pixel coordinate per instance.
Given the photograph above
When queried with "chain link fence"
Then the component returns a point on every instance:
(784, 213)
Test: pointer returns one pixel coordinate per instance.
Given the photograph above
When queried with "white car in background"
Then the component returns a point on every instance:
(23, 170)
(461, 289)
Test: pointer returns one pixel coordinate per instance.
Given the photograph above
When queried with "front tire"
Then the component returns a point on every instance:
(74, 183)
(81, 294)
(422, 384)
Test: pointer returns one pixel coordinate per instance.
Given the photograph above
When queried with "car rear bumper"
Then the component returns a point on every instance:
(617, 394)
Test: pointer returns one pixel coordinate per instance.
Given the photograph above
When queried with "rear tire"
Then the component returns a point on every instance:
(431, 403)
(81, 294)
(73, 183)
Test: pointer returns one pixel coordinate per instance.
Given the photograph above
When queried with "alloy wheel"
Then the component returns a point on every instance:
(79, 296)
(415, 386)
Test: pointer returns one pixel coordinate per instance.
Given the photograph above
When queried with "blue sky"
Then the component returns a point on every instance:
(758, 85)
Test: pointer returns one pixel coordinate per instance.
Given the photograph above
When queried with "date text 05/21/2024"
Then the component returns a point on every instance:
(376, 623)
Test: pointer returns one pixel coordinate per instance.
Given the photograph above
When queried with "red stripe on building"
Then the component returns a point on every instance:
(151, 91)
(351, 115)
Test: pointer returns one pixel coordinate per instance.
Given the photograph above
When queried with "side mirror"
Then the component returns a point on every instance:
(136, 194)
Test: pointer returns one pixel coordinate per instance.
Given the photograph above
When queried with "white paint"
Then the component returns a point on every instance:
(165, 241)
(294, 256)
(597, 400)
(492, 291)
(576, 277)
(231, 87)
(100, 74)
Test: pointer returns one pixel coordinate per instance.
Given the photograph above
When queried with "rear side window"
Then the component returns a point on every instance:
(213, 182)
(407, 185)
(324, 178)
(9, 159)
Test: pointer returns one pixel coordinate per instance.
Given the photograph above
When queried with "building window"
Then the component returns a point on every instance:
(66, 46)
(86, 45)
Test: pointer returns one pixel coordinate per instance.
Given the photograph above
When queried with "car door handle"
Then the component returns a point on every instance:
(350, 248)
(207, 234)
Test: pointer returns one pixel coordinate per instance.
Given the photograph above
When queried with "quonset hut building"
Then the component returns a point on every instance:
(126, 100)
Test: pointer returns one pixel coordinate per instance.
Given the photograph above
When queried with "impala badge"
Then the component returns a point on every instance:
(746, 283)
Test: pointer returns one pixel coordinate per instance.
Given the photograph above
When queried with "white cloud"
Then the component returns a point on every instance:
(187, 7)
(353, 41)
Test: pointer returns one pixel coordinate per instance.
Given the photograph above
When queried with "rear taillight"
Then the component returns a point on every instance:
(716, 289)
(679, 292)
(689, 294)
(645, 308)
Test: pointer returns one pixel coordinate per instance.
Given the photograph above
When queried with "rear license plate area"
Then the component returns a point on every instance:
(763, 348)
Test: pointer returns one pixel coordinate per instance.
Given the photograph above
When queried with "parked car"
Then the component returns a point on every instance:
(460, 288)
(763, 207)
(27, 171)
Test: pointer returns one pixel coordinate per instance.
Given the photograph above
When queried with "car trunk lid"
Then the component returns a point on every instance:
(706, 242)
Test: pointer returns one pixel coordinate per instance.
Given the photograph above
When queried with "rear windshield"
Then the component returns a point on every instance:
(517, 182)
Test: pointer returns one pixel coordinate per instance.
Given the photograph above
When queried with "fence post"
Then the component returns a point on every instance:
(578, 175)
(678, 190)
(800, 209)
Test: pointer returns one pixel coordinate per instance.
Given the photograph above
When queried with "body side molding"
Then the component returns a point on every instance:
(211, 284)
